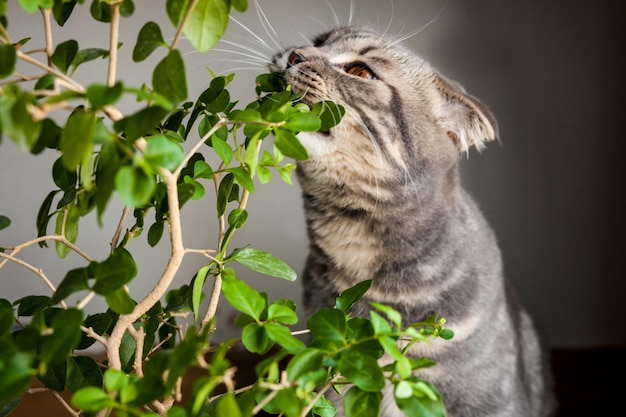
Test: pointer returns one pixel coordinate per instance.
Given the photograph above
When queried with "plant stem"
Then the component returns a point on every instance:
(48, 34)
(183, 22)
(173, 264)
(113, 41)
(59, 238)
(118, 231)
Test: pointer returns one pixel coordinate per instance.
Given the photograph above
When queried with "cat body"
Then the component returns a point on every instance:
(383, 201)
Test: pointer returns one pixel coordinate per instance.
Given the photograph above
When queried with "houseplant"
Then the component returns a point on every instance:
(154, 158)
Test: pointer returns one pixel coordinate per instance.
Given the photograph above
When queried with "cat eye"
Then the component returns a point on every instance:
(361, 70)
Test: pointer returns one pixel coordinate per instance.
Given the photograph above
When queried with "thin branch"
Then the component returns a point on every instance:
(46, 13)
(86, 300)
(319, 395)
(183, 22)
(176, 256)
(120, 227)
(113, 41)
(40, 239)
(37, 271)
(139, 340)
(91, 333)
(70, 82)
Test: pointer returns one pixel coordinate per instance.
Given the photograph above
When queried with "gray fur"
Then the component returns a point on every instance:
(383, 201)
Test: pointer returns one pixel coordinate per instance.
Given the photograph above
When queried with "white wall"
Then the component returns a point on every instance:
(540, 68)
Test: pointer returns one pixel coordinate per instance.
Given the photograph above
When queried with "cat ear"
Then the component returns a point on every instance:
(466, 120)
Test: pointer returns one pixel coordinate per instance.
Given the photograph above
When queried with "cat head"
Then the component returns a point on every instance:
(401, 117)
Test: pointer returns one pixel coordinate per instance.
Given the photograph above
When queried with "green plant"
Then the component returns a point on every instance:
(141, 157)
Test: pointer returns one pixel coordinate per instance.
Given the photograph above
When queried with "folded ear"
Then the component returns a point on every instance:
(466, 120)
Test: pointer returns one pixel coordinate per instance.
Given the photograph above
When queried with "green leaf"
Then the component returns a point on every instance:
(30, 304)
(196, 294)
(8, 57)
(236, 218)
(420, 405)
(362, 370)
(352, 295)
(116, 271)
(100, 95)
(256, 339)
(169, 79)
(305, 361)
(134, 186)
(247, 115)
(62, 11)
(240, 5)
(359, 403)
(305, 122)
(242, 176)
(207, 23)
(64, 54)
(222, 149)
(328, 325)
(263, 262)
(15, 371)
(83, 371)
(393, 315)
(141, 123)
(89, 54)
(282, 335)
(120, 301)
(43, 216)
(55, 376)
(148, 39)
(329, 113)
(7, 407)
(289, 144)
(202, 170)
(245, 299)
(282, 314)
(16, 121)
(75, 280)
(115, 380)
(155, 233)
(63, 178)
(224, 192)
(4, 222)
(92, 399)
(70, 216)
(65, 335)
(176, 9)
(163, 152)
(77, 137)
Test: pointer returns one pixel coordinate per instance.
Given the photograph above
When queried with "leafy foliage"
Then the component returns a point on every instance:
(144, 158)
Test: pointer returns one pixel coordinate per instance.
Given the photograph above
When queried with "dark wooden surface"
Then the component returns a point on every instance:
(587, 383)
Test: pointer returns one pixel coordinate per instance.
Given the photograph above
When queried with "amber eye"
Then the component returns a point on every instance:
(361, 70)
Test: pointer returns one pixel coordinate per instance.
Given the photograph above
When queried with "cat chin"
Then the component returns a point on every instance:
(317, 144)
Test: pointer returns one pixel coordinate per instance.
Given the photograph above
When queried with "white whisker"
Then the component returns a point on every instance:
(393, 10)
(334, 12)
(351, 15)
(247, 48)
(252, 57)
(421, 28)
(267, 25)
(257, 37)
(306, 39)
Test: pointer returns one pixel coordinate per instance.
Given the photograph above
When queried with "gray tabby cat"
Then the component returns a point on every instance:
(383, 200)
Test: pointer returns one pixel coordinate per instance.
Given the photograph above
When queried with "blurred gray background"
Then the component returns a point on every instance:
(553, 188)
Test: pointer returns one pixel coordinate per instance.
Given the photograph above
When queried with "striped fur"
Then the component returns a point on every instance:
(383, 200)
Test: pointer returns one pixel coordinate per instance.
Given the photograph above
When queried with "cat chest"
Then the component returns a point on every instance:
(348, 243)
